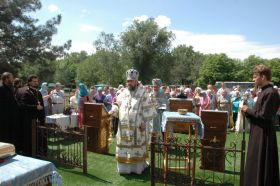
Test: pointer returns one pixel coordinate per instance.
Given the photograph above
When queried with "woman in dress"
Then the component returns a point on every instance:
(82, 98)
(224, 104)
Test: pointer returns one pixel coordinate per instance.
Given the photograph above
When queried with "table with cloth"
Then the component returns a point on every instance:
(19, 170)
(182, 123)
(63, 121)
(182, 119)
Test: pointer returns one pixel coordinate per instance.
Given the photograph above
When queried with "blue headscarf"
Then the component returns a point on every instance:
(82, 92)
(44, 89)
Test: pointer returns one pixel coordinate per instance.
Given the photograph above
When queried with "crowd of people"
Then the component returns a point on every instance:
(135, 109)
(54, 100)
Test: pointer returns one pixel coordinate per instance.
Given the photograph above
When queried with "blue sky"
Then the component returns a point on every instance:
(238, 28)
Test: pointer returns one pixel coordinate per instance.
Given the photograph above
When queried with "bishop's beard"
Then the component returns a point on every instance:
(131, 88)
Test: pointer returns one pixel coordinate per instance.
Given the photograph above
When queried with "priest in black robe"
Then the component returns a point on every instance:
(8, 111)
(262, 157)
(31, 108)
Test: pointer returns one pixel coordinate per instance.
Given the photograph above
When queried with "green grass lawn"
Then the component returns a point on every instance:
(102, 169)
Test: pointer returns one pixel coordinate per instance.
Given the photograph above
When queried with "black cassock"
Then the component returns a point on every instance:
(8, 115)
(262, 157)
(28, 99)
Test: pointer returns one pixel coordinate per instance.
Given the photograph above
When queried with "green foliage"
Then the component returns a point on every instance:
(66, 68)
(248, 66)
(163, 65)
(103, 67)
(186, 64)
(106, 42)
(274, 65)
(145, 43)
(44, 69)
(88, 71)
(107, 65)
(216, 67)
(22, 39)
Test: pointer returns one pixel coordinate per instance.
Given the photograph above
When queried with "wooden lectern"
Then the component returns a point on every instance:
(178, 103)
(97, 117)
(215, 133)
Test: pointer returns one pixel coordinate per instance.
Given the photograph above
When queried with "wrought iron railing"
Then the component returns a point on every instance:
(68, 147)
(190, 161)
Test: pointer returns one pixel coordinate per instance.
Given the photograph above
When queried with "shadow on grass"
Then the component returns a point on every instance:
(71, 169)
(277, 128)
(109, 154)
(144, 177)
(183, 179)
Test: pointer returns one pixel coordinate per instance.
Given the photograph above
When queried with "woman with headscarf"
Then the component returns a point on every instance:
(82, 98)
(46, 97)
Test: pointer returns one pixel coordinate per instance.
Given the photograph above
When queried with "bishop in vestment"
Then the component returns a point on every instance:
(135, 110)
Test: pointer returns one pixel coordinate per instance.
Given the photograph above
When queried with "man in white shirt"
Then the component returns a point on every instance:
(57, 96)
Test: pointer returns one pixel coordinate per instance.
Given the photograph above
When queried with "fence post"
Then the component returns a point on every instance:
(34, 138)
(85, 150)
(153, 159)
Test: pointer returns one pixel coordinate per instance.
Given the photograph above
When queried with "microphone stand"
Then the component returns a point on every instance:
(243, 147)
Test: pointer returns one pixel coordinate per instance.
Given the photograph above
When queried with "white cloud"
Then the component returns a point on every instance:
(140, 18)
(235, 46)
(85, 13)
(85, 46)
(126, 23)
(163, 21)
(129, 21)
(53, 8)
(90, 28)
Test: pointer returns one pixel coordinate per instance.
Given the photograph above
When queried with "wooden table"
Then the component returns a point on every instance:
(173, 121)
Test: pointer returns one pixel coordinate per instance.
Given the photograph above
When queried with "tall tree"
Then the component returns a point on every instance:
(186, 64)
(106, 42)
(162, 68)
(44, 69)
(66, 68)
(22, 38)
(102, 67)
(248, 66)
(144, 42)
(216, 67)
(274, 65)
(88, 71)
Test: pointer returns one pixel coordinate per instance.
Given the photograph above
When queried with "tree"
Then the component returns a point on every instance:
(103, 67)
(44, 69)
(106, 42)
(144, 42)
(186, 64)
(66, 69)
(162, 67)
(22, 39)
(274, 65)
(88, 71)
(216, 67)
(248, 66)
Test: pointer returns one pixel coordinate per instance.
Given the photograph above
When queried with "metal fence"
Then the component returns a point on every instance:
(190, 161)
(68, 147)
